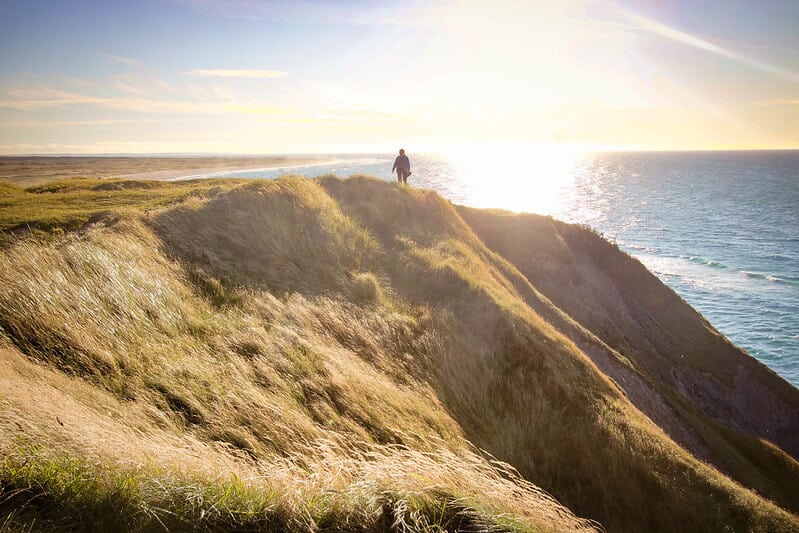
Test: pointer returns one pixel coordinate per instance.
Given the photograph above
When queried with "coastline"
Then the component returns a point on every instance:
(28, 171)
(225, 172)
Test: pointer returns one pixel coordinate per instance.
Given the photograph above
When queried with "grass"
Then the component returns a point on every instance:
(71, 203)
(684, 361)
(319, 355)
(316, 489)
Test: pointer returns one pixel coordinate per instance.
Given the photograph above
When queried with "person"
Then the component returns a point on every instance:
(403, 167)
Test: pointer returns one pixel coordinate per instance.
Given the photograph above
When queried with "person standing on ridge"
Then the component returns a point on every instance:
(403, 167)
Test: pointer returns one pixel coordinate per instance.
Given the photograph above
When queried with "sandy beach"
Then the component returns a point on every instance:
(37, 170)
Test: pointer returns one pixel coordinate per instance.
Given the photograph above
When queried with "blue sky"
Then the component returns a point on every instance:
(243, 76)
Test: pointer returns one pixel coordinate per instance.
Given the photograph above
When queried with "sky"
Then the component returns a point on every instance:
(264, 77)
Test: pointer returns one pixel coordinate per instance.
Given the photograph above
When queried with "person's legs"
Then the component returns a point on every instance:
(405, 177)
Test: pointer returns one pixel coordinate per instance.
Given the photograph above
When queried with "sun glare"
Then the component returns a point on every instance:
(519, 176)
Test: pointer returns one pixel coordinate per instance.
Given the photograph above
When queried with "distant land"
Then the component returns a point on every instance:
(27, 171)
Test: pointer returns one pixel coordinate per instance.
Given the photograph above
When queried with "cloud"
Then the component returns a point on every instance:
(144, 86)
(687, 39)
(778, 101)
(125, 60)
(29, 99)
(69, 123)
(233, 73)
(42, 98)
(99, 147)
(131, 89)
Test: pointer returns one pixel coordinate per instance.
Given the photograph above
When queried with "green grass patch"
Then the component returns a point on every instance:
(42, 493)
(69, 204)
(64, 494)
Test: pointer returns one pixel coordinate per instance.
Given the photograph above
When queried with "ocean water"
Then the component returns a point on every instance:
(720, 228)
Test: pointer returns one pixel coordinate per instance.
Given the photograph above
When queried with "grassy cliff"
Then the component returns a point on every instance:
(354, 355)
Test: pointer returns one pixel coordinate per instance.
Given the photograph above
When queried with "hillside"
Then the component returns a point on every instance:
(352, 355)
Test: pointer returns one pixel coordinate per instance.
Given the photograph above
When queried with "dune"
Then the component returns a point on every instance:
(353, 355)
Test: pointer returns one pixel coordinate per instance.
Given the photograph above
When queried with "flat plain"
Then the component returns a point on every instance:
(28, 171)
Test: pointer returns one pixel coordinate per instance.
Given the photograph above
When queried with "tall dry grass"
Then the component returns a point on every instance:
(524, 391)
(99, 472)
(98, 467)
(251, 385)
(309, 355)
(710, 396)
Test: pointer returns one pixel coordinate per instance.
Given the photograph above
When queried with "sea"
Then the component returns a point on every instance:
(720, 228)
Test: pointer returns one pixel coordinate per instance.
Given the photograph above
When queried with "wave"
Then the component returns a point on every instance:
(668, 265)
(636, 247)
(706, 262)
(771, 278)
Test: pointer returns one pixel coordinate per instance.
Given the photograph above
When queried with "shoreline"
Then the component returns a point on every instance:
(224, 172)
(39, 170)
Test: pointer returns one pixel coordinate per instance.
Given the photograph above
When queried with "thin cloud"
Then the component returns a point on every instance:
(70, 123)
(673, 34)
(32, 99)
(779, 101)
(233, 73)
(93, 148)
(144, 86)
(125, 60)
(28, 99)
(130, 89)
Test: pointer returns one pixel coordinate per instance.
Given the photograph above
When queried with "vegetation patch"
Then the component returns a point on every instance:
(308, 355)
(69, 204)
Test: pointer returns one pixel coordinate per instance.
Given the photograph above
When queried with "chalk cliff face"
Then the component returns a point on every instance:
(367, 314)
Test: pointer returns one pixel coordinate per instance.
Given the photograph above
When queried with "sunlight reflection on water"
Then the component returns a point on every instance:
(521, 178)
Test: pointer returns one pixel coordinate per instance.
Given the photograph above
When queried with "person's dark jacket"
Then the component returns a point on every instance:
(402, 162)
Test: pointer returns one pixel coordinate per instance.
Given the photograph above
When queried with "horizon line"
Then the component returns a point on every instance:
(281, 154)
